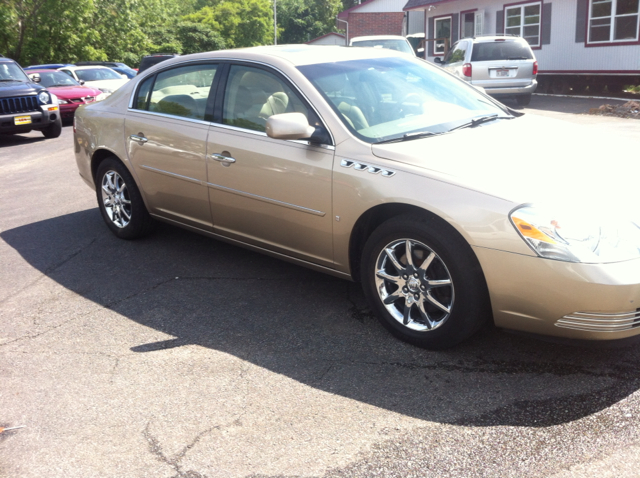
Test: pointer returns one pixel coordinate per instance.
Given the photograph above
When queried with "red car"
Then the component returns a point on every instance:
(70, 93)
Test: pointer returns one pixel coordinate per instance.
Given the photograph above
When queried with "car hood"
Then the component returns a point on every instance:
(18, 88)
(110, 84)
(66, 92)
(529, 160)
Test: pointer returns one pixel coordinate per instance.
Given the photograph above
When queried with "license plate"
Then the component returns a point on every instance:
(22, 120)
(502, 73)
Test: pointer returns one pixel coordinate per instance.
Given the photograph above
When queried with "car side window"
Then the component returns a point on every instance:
(182, 91)
(142, 98)
(456, 54)
(67, 72)
(253, 94)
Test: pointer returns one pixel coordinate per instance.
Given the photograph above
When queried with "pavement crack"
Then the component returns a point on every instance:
(156, 449)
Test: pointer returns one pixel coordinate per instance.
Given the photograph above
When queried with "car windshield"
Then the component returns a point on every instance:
(501, 50)
(389, 44)
(11, 71)
(381, 99)
(56, 78)
(98, 74)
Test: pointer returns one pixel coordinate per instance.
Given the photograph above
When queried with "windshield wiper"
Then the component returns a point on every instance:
(518, 58)
(410, 136)
(479, 120)
(8, 79)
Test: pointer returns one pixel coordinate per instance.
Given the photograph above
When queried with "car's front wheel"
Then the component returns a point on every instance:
(424, 282)
(120, 201)
(54, 129)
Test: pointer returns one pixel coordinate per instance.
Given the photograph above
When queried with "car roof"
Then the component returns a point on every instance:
(296, 55)
(44, 70)
(379, 37)
(493, 38)
(86, 67)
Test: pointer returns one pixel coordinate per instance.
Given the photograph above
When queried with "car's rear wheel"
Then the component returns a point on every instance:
(523, 100)
(54, 129)
(120, 201)
(424, 282)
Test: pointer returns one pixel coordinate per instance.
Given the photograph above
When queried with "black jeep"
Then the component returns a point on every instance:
(24, 105)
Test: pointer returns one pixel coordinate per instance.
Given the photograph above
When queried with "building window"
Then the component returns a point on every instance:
(524, 21)
(613, 20)
(471, 23)
(443, 30)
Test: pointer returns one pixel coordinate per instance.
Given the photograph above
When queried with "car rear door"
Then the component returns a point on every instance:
(502, 63)
(166, 138)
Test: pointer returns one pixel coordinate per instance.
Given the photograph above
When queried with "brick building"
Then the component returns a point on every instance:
(374, 17)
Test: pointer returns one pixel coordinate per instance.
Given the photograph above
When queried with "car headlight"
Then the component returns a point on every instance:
(573, 237)
(106, 90)
(102, 96)
(63, 102)
(44, 97)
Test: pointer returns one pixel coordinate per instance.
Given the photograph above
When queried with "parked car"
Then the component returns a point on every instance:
(25, 105)
(70, 93)
(100, 77)
(391, 42)
(502, 65)
(150, 60)
(48, 66)
(121, 68)
(449, 207)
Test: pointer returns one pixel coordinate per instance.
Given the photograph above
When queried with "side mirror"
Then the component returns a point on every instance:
(81, 82)
(289, 126)
(35, 77)
(438, 60)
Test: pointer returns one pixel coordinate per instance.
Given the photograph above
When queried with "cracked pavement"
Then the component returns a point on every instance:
(178, 356)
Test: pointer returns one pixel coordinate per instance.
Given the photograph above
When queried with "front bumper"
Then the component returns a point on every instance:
(38, 121)
(563, 299)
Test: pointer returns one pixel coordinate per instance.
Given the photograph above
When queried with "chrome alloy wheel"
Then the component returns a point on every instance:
(414, 285)
(115, 198)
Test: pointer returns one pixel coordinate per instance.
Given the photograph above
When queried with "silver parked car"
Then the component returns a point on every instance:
(377, 167)
(502, 65)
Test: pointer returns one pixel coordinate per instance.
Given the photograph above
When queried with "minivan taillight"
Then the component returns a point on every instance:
(535, 67)
(466, 70)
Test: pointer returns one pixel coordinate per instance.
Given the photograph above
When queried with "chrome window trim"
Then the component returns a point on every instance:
(263, 134)
(267, 200)
(166, 115)
(240, 60)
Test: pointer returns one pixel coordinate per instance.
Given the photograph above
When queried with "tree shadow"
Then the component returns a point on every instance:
(317, 330)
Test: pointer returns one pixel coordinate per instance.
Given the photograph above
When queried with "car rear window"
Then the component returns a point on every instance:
(501, 50)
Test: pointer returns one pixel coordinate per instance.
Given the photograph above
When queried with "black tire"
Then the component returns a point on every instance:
(120, 201)
(54, 129)
(523, 100)
(438, 254)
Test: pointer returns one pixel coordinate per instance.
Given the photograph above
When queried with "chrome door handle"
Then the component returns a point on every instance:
(139, 138)
(222, 158)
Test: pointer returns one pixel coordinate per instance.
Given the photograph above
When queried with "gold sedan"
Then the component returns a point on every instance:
(380, 168)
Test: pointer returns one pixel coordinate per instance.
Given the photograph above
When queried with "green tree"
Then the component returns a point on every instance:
(302, 20)
(241, 23)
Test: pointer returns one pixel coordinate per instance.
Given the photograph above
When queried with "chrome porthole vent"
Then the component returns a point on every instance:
(347, 163)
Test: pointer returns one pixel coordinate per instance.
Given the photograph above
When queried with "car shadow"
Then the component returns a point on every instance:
(317, 330)
(18, 139)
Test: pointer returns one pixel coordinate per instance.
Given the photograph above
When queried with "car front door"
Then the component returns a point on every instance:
(166, 137)
(271, 193)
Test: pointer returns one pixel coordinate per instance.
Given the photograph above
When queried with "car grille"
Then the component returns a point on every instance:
(86, 99)
(18, 104)
(595, 322)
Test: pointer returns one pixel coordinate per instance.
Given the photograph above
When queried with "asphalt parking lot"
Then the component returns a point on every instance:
(180, 356)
